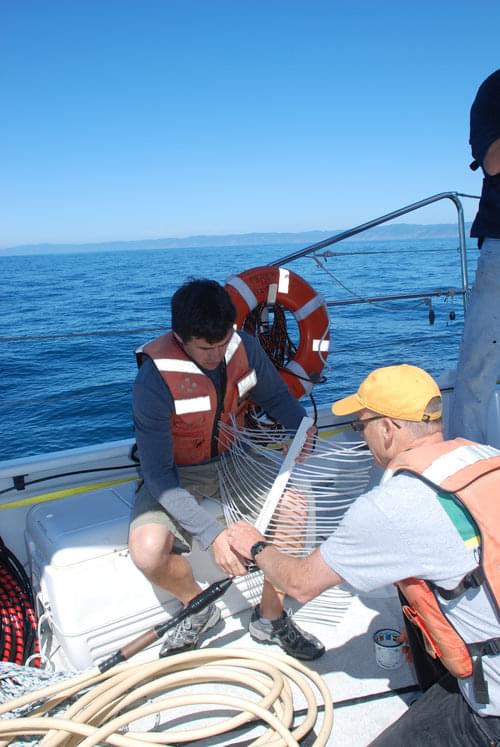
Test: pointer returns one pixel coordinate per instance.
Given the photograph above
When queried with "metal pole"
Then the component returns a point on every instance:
(453, 196)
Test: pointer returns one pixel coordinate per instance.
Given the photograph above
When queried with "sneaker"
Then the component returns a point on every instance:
(287, 634)
(185, 635)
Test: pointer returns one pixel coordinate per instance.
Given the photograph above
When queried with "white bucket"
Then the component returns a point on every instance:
(388, 650)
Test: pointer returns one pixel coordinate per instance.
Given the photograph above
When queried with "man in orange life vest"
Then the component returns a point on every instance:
(432, 526)
(197, 375)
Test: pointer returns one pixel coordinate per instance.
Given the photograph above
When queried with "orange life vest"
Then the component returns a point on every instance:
(470, 473)
(197, 409)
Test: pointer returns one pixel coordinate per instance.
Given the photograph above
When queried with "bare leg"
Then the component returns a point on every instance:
(151, 550)
(286, 533)
(271, 602)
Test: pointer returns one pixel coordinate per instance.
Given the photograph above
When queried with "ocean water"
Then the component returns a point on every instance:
(71, 323)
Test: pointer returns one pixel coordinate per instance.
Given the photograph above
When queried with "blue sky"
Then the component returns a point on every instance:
(134, 119)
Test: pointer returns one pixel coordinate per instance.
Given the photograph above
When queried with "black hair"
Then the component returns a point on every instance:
(202, 308)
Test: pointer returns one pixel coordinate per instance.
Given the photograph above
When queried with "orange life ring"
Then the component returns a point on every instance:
(270, 285)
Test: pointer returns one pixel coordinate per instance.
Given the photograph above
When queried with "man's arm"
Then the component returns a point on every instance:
(485, 125)
(301, 578)
(491, 163)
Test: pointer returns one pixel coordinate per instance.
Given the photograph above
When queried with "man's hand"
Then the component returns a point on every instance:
(309, 443)
(242, 536)
(227, 558)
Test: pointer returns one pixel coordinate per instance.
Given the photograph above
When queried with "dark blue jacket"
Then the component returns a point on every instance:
(484, 130)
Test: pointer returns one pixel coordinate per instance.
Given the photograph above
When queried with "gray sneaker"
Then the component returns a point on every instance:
(185, 635)
(286, 634)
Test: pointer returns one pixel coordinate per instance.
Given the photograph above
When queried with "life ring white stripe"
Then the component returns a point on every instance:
(305, 382)
(244, 290)
(195, 404)
(320, 346)
(307, 309)
(178, 366)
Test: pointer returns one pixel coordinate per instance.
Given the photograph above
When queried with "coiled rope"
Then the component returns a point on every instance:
(112, 700)
(273, 338)
(18, 639)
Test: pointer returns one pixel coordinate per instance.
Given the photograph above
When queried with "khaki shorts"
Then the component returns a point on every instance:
(201, 480)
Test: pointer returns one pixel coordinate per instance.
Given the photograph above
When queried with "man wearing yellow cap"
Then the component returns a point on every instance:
(433, 527)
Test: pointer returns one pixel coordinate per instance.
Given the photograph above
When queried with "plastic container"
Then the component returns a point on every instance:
(388, 650)
(93, 596)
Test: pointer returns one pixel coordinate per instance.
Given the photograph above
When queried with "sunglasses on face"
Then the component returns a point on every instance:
(360, 425)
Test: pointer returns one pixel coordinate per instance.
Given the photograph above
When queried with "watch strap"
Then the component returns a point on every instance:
(257, 548)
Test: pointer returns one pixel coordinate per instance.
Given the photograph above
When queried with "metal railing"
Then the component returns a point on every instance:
(336, 238)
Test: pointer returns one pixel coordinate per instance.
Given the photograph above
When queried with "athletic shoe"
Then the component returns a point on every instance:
(286, 634)
(186, 634)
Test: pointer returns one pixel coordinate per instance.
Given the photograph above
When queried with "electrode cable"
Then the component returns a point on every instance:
(93, 718)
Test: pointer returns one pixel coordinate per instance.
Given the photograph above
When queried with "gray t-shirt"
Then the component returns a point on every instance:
(399, 530)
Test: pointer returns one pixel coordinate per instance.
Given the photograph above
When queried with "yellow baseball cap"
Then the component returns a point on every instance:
(401, 392)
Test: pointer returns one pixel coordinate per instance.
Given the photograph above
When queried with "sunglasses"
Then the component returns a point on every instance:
(360, 425)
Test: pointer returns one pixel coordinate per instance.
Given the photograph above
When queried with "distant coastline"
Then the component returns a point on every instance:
(397, 231)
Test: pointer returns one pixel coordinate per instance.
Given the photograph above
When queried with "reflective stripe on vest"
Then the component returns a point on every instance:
(463, 456)
(173, 364)
(232, 347)
(193, 404)
(247, 383)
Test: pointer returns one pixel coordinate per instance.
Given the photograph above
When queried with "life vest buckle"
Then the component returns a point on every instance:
(492, 647)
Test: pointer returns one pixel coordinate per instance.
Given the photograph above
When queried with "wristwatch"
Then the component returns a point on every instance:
(257, 548)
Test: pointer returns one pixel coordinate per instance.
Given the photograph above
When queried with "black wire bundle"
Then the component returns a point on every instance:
(18, 639)
(276, 343)
(273, 337)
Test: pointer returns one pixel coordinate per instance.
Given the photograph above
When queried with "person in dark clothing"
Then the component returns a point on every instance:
(479, 361)
(197, 375)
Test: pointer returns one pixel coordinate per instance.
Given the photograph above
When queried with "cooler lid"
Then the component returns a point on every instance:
(78, 528)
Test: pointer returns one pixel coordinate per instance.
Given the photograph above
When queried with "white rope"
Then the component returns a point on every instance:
(312, 497)
(99, 706)
(255, 476)
(283, 476)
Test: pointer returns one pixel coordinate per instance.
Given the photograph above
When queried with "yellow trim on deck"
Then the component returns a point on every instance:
(57, 495)
(335, 431)
(60, 494)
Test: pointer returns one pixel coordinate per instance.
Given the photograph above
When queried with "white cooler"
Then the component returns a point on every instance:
(93, 596)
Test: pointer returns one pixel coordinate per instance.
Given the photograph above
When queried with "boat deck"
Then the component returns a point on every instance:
(366, 697)
(96, 601)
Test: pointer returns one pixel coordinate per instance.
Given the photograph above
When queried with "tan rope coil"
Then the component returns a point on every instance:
(116, 699)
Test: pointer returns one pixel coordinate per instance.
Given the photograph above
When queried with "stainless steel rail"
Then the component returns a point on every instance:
(453, 196)
(395, 297)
